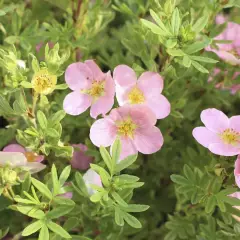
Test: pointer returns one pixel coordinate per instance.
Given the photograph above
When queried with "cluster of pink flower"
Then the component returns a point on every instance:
(141, 104)
(228, 52)
(221, 135)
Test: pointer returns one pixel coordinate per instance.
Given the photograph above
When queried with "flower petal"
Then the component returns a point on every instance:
(78, 76)
(148, 140)
(15, 159)
(215, 120)
(124, 76)
(14, 148)
(122, 95)
(91, 177)
(159, 105)
(34, 167)
(103, 132)
(96, 71)
(128, 148)
(235, 123)
(150, 83)
(237, 171)
(80, 160)
(40, 158)
(224, 149)
(104, 103)
(205, 137)
(76, 103)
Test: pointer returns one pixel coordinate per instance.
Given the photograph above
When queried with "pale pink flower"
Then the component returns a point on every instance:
(31, 156)
(80, 160)
(18, 159)
(91, 88)
(237, 171)
(229, 52)
(221, 135)
(91, 177)
(135, 125)
(144, 91)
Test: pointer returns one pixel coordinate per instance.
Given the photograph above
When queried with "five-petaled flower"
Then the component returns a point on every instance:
(134, 125)
(221, 135)
(144, 91)
(91, 87)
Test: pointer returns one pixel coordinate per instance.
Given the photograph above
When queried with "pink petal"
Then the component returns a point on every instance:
(228, 57)
(237, 171)
(96, 71)
(159, 105)
(124, 76)
(224, 149)
(78, 76)
(141, 115)
(148, 140)
(235, 123)
(67, 195)
(122, 95)
(34, 167)
(215, 120)
(220, 19)
(40, 158)
(205, 137)
(128, 148)
(150, 83)
(76, 103)
(103, 132)
(104, 104)
(14, 148)
(80, 160)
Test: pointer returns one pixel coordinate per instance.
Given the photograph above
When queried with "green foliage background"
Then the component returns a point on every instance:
(185, 185)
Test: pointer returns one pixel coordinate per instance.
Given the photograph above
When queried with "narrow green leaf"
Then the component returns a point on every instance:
(26, 84)
(42, 120)
(135, 208)
(32, 228)
(55, 182)
(175, 22)
(199, 67)
(179, 179)
(186, 61)
(116, 150)
(118, 217)
(200, 24)
(203, 59)
(44, 233)
(59, 211)
(210, 205)
(64, 175)
(125, 163)
(107, 159)
(58, 230)
(81, 184)
(153, 27)
(42, 188)
(175, 52)
(119, 200)
(131, 220)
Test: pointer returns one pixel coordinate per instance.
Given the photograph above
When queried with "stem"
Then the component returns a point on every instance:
(35, 99)
(7, 194)
(12, 192)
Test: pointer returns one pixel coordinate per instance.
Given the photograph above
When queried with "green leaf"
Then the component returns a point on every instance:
(81, 184)
(210, 205)
(96, 197)
(42, 188)
(107, 159)
(186, 61)
(175, 52)
(189, 173)
(71, 223)
(135, 208)
(5, 108)
(119, 200)
(62, 4)
(44, 233)
(175, 22)
(59, 211)
(105, 178)
(125, 163)
(32, 228)
(200, 24)
(131, 220)
(42, 120)
(153, 27)
(179, 179)
(116, 150)
(58, 230)
(203, 59)
(61, 86)
(57, 117)
(118, 217)
(51, 132)
(56, 186)
(199, 67)
(64, 175)
(35, 63)
(197, 46)
(26, 84)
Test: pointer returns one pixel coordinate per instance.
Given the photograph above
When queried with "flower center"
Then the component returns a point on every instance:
(97, 89)
(136, 96)
(126, 128)
(229, 136)
(43, 82)
(31, 157)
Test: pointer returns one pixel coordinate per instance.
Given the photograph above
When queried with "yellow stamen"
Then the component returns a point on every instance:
(136, 96)
(229, 136)
(97, 90)
(43, 82)
(126, 128)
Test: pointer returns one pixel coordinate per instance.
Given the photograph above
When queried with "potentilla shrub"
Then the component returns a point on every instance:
(120, 119)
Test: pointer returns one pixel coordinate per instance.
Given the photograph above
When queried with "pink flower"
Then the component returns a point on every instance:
(144, 91)
(135, 127)
(80, 160)
(229, 52)
(31, 157)
(91, 87)
(91, 177)
(237, 171)
(221, 135)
